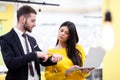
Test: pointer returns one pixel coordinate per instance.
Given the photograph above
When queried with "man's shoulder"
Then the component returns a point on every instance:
(31, 37)
(7, 36)
(4, 38)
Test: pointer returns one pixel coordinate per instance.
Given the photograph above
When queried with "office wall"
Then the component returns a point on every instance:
(6, 20)
(111, 64)
(6, 17)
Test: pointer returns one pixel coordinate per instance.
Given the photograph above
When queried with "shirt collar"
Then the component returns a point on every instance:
(18, 31)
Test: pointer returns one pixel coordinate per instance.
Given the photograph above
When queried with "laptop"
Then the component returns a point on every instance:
(93, 60)
(94, 57)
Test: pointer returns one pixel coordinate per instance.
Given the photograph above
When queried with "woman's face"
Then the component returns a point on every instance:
(63, 34)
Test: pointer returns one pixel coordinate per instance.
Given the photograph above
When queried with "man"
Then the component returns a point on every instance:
(20, 51)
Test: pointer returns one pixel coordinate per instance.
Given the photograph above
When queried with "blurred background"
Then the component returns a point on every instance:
(88, 16)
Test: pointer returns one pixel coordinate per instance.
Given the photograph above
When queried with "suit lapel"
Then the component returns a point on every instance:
(17, 40)
(31, 44)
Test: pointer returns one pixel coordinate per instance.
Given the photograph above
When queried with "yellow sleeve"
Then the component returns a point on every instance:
(52, 74)
(83, 59)
(82, 52)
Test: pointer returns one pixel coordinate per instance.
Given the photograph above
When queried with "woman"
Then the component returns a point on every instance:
(73, 56)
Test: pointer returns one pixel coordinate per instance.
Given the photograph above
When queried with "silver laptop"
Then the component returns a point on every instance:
(94, 57)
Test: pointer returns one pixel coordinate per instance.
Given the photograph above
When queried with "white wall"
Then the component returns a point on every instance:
(89, 27)
(86, 16)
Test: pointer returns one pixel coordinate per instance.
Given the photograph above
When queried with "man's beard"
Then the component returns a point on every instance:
(26, 27)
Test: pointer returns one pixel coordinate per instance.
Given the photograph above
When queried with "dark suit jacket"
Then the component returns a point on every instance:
(15, 59)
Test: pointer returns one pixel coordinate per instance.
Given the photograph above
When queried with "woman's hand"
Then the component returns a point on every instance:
(75, 67)
(86, 70)
(56, 58)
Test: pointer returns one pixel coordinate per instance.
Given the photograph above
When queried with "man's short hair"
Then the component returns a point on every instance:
(25, 10)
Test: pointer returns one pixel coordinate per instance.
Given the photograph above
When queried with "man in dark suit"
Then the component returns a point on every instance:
(14, 50)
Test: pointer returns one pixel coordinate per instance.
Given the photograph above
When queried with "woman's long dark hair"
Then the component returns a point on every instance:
(72, 52)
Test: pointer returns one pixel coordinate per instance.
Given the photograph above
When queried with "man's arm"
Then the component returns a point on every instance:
(46, 61)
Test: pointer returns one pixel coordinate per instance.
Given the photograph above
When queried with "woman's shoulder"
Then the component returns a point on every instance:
(51, 49)
(55, 49)
(78, 46)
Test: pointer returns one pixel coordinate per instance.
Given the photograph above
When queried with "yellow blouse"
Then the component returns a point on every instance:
(57, 72)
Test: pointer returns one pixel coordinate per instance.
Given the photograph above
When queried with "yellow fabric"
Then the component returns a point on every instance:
(42, 75)
(2, 76)
(57, 72)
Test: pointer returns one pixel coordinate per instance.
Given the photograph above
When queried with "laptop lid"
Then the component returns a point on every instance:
(94, 57)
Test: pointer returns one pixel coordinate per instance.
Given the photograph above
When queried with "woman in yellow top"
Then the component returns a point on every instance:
(73, 56)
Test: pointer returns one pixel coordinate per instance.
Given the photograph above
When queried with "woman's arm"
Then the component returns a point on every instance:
(51, 73)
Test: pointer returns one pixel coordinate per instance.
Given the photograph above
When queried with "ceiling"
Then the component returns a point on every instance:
(77, 6)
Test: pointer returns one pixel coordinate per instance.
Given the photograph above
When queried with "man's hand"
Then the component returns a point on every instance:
(56, 58)
(42, 55)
